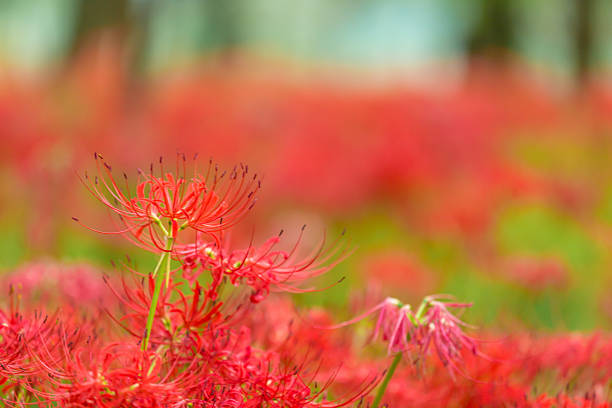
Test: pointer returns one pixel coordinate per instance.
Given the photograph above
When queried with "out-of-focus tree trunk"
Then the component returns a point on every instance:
(225, 19)
(126, 21)
(583, 40)
(95, 16)
(492, 34)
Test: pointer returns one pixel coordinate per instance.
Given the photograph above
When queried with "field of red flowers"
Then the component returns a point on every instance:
(224, 238)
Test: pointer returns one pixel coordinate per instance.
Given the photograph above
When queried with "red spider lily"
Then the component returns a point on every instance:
(521, 371)
(395, 322)
(260, 268)
(137, 300)
(193, 314)
(174, 318)
(433, 323)
(116, 375)
(27, 340)
(440, 328)
(16, 333)
(165, 205)
(215, 368)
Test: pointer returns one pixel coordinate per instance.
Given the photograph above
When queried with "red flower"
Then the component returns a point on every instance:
(261, 268)
(165, 205)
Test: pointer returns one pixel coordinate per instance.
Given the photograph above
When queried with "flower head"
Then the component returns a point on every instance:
(394, 322)
(166, 204)
(433, 324)
(261, 268)
(444, 331)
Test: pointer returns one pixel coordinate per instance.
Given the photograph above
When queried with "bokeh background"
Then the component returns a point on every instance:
(464, 145)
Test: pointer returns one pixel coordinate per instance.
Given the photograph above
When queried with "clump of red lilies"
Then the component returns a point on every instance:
(180, 337)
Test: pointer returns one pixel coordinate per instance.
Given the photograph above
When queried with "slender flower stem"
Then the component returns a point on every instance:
(159, 280)
(385, 382)
(169, 260)
(419, 314)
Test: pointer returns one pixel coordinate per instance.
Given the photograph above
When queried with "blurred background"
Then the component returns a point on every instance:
(464, 145)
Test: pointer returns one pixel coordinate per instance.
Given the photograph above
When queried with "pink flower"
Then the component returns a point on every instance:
(394, 321)
(432, 324)
(394, 324)
(440, 328)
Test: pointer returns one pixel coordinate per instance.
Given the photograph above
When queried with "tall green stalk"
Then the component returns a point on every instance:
(159, 281)
(385, 382)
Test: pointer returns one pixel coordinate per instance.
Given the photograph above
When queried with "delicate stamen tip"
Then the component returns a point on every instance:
(393, 301)
(75, 219)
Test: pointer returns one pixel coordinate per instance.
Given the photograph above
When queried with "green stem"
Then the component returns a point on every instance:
(421, 309)
(385, 382)
(169, 260)
(159, 280)
(159, 262)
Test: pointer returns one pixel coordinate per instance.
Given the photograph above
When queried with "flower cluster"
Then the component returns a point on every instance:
(522, 370)
(203, 328)
(176, 337)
